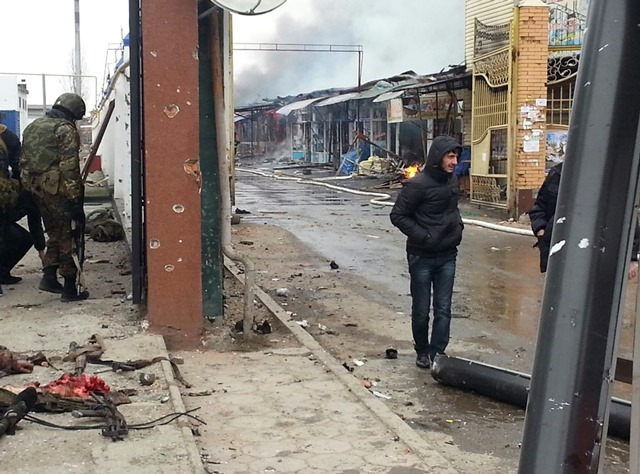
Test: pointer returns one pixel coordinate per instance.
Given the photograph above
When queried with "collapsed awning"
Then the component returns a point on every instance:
(388, 96)
(337, 99)
(301, 104)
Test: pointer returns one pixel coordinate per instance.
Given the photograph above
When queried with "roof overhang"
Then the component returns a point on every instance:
(301, 104)
(337, 99)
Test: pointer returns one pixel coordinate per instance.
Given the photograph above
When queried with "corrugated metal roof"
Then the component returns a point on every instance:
(388, 96)
(301, 104)
(336, 99)
(376, 90)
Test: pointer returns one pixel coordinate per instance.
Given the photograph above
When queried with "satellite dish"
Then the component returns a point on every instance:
(249, 7)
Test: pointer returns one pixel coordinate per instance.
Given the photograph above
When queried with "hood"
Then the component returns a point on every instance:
(440, 146)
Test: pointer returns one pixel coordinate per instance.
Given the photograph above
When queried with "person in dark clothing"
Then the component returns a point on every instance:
(18, 240)
(10, 146)
(542, 212)
(9, 177)
(426, 211)
(542, 219)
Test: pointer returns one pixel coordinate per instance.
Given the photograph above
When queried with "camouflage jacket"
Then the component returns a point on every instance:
(50, 160)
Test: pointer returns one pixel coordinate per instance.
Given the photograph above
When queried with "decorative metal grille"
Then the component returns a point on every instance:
(490, 108)
(488, 190)
(494, 68)
(561, 68)
(561, 83)
(488, 38)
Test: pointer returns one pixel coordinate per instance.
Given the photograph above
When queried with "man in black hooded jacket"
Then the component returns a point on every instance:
(426, 211)
(542, 218)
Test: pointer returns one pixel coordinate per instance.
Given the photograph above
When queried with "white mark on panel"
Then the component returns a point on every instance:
(562, 220)
(557, 247)
(584, 243)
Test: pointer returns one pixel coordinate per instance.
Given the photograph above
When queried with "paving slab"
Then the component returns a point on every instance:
(32, 321)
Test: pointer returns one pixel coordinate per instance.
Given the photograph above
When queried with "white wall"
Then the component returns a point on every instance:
(489, 12)
(9, 93)
(115, 148)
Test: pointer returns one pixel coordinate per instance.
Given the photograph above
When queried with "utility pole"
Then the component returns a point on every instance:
(77, 66)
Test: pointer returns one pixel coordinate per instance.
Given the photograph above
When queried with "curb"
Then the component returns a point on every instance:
(435, 460)
(178, 405)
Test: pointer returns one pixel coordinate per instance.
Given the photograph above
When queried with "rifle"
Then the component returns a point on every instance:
(77, 236)
(116, 426)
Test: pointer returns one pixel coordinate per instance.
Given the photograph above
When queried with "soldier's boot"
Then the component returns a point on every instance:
(49, 281)
(70, 291)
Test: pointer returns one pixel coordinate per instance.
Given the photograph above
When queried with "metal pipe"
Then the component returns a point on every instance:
(77, 67)
(511, 387)
(586, 281)
(224, 163)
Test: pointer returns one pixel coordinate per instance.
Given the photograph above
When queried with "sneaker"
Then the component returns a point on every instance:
(422, 361)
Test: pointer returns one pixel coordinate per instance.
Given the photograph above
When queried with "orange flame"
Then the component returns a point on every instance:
(411, 171)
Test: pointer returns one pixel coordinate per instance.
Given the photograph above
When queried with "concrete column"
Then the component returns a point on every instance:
(172, 175)
(530, 99)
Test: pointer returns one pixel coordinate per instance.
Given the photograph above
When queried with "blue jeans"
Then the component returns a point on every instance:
(427, 273)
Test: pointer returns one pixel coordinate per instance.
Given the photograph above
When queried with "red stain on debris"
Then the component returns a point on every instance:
(71, 386)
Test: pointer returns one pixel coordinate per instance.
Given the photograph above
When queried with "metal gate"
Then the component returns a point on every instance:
(491, 143)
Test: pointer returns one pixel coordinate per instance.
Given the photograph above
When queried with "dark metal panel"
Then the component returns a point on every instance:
(574, 363)
(138, 256)
(209, 28)
(172, 173)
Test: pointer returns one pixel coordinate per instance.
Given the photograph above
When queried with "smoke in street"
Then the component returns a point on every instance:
(420, 35)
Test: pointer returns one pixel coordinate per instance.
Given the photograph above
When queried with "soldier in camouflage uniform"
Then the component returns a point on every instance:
(51, 171)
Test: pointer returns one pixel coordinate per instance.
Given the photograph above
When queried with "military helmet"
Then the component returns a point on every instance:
(72, 103)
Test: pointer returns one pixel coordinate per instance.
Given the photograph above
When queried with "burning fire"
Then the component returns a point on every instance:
(411, 171)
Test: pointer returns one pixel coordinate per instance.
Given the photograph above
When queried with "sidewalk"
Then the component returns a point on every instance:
(296, 409)
(290, 409)
(33, 321)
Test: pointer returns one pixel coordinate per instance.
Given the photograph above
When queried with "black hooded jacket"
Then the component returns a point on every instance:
(426, 209)
(542, 213)
(542, 216)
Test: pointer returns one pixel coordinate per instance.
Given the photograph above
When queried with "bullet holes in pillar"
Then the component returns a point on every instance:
(171, 110)
(178, 208)
(169, 268)
(154, 244)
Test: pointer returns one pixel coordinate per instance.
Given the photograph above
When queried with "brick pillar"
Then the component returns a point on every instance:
(530, 98)
(172, 176)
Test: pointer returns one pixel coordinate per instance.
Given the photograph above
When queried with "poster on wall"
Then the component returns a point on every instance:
(394, 111)
(567, 22)
(430, 108)
(556, 146)
(426, 108)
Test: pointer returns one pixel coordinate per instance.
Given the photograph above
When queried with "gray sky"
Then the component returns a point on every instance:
(422, 35)
(39, 38)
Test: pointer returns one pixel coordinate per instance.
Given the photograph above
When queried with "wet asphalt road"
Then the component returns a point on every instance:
(497, 280)
(497, 273)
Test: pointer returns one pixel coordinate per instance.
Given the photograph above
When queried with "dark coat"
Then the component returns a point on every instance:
(542, 212)
(426, 209)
